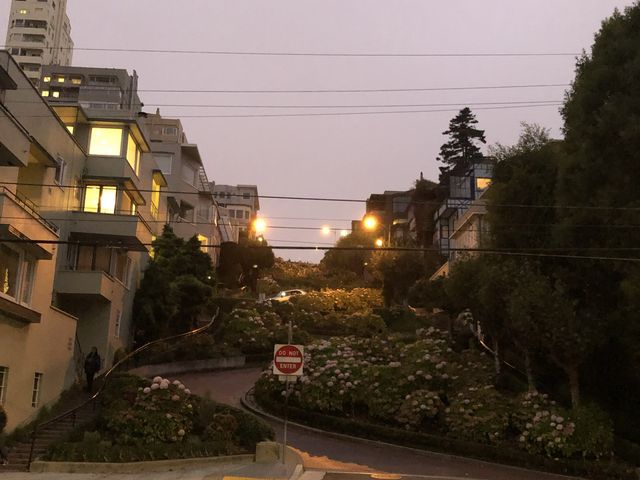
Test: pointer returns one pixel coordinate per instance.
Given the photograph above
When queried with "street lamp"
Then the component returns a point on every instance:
(326, 230)
(379, 242)
(344, 233)
(370, 222)
(259, 225)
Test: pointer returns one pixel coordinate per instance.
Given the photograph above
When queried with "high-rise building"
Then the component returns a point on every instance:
(39, 33)
(240, 201)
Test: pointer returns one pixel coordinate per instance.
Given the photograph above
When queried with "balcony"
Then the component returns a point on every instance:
(131, 231)
(15, 143)
(96, 284)
(109, 167)
(20, 221)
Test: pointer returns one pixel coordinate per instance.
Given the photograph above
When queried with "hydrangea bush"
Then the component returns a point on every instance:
(426, 387)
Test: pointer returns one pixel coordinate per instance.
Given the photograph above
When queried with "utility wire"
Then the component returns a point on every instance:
(318, 54)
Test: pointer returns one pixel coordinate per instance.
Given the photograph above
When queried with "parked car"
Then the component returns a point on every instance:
(286, 295)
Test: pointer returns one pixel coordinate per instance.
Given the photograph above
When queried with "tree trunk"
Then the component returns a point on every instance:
(496, 357)
(574, 384)
(529, 371)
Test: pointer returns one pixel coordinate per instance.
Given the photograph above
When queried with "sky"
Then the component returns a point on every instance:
(336, 156)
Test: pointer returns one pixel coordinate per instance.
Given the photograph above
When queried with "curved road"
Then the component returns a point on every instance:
(324, 452)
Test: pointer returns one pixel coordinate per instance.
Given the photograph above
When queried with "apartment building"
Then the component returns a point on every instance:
(241, 202)
(118, 192)
(38, 160)
(38, 34)
(190, 210)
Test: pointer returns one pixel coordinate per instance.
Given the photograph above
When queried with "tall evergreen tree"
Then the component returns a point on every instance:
(462, 147)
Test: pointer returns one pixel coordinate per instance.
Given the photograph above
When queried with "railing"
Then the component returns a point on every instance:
(29, 206)
(73, 412)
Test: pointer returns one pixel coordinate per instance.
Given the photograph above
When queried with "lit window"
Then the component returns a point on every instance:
(9, 271)
(4, 374)
(482, 183)
(29, 268)
(100, 199)
(106, 141)
(71, 129)
(76, 81)
(37, 386)
(204, 241)
(45, 93)
(133, 154)
(164, 161)
(60, 79)
(155, 198)
(55, 94)
(46, 79)
(23, 11)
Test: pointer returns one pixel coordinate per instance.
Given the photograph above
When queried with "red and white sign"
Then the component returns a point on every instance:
(288, 360)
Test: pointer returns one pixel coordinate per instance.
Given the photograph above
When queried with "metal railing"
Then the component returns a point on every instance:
(74, 411)
(30, 207)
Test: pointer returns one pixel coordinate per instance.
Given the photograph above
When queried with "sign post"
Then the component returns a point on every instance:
(288, 363)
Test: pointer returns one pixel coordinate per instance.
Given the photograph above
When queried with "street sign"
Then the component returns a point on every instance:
(288, 360)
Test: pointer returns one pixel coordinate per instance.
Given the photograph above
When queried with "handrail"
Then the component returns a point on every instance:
(30, 207)
(106, 377)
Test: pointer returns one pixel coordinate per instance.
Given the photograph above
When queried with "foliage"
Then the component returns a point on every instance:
(353, 260)
(241, 263)
(400, 319)
(462, 146)
(198, 347)
(533, 137)
(398, 272)
(430, 294)
(357, 300)
(3, 418)
(292, 274)
(175, 289)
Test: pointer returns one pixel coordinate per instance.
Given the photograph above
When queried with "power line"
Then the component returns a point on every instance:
(315, 106)
(319, 54)
(116, 244)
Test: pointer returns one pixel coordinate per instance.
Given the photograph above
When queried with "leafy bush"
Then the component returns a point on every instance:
(357, 300)
(3, 418)
(400, 319)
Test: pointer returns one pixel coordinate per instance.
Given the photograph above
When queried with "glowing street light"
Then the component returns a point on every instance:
(379, 242)
(259, 225)
(344, 233)
(370, 222)
(326, 230)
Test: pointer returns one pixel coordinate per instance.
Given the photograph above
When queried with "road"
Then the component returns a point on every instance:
(338, 455)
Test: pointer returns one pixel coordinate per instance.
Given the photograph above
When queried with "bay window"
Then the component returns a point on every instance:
(100, 199)
(155, 198)
(133, 154)
(106, 141)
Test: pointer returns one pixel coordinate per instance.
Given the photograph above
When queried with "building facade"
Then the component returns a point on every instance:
(241, 203)
(38, 34)
(38, 159)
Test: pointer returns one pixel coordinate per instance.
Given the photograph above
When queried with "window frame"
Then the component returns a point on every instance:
(26, 265)
(100, 199)
(135, 166)
(37, 389)
(4, 377)
(60, 170)
(170, 156)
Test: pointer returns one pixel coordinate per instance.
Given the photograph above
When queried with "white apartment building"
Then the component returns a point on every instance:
(39, 33)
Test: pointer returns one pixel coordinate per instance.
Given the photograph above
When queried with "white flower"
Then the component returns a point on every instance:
(559, 427)
(175, 398)
(176, 382)
(155, 386)
(181, 387)
(146, 390)
(157, 379)
(181, 432)
(169, 416)
(187, 391)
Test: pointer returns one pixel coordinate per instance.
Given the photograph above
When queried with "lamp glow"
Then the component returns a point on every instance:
(344, 233)
(326, 230)
(259, 225)
(370, 222)
(379, 242)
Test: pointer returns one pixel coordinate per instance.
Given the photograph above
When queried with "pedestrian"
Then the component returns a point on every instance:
(92, 365)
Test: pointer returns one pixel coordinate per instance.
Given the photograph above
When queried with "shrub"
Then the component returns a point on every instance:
(3, 418)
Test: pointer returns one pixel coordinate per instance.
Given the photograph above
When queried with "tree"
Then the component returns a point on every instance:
(398, 271)
(462, 148)
(176, 288)
(353, 260)
(242, 262)
(533, 137)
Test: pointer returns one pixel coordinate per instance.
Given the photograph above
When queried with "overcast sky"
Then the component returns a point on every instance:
(336, 156)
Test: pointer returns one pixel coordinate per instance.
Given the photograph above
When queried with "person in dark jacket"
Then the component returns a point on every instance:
(92, 365)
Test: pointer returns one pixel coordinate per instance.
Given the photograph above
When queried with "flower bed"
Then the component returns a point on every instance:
(143, 420)
(426, 387)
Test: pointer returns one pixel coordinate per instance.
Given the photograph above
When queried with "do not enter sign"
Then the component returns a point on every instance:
(288, 360)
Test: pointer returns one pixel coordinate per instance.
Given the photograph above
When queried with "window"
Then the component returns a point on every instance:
(246, 215)
(133, 154)
(71, 129)
(232, 213)
(76, 80)
(55, 94)
(155, 198)
(164, 161)
(46, 79)
(203, 242)
(37, 386)
(60, 168)
(61, 79)
(106, 141)
(189, 174)
(100, 199)
(482, 183)
(9, 271)
(45, 93)
(4, 374)
(28, 276)
(117, 326)
(23, 11)
(170, 130)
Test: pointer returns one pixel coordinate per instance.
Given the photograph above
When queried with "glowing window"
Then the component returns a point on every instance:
(46, 79)
(60, 79)
(76, 81)
(133, 154)
(45, 93)
(482, 183)
(56, 94)
(100, 199)
(106, 141)
(155, 198)
(23, 11)
(203, 242)
(71, 129)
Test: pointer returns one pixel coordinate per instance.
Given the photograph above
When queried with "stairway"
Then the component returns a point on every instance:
(19, 453)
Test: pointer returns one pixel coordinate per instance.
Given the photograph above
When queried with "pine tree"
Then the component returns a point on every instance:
(462, 146)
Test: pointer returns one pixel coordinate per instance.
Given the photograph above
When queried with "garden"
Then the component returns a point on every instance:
(159, 419)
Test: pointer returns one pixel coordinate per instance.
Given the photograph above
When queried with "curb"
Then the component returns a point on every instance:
(255, 409)
(137, 467)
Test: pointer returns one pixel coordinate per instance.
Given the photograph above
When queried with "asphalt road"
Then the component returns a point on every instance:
(360, 458)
